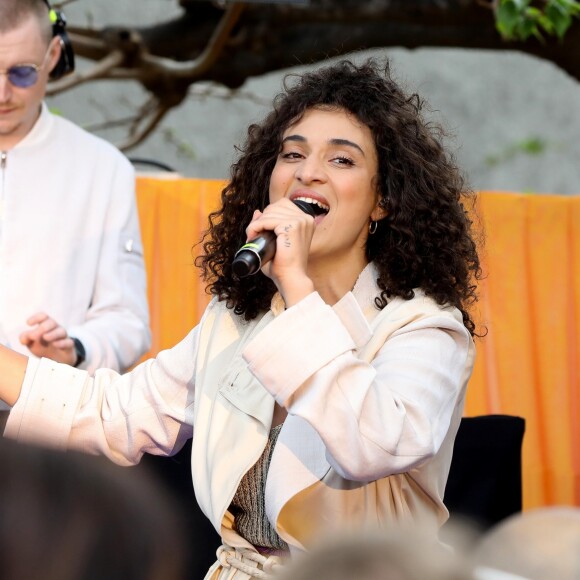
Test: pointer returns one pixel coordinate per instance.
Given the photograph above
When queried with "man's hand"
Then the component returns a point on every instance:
(49, 339)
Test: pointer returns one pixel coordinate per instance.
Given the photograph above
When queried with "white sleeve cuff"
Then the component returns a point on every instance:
(65, 386)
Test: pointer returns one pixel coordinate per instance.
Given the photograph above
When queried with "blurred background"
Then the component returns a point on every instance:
(514, 118)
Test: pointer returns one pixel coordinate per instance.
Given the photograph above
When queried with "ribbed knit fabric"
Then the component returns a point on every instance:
(248, 505)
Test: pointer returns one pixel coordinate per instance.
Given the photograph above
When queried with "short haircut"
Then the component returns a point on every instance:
(14, 12)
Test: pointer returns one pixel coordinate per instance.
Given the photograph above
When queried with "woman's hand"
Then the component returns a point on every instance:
(294, 230)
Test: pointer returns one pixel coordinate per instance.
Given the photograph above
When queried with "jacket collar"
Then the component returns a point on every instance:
(39, 131)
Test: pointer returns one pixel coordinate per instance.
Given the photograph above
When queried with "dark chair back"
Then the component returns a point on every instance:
(485, 479)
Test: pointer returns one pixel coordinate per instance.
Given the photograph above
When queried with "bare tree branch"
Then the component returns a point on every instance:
(192, 69)
(140, 130)
(102, 69)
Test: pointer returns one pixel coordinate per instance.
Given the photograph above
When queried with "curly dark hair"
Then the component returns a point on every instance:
(425, 241)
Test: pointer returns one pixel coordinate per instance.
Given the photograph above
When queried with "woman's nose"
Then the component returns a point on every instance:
(311, 169)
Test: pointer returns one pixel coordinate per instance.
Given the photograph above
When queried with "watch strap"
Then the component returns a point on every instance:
(80, 352)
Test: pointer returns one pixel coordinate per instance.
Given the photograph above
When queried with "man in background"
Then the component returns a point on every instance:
(72, 276)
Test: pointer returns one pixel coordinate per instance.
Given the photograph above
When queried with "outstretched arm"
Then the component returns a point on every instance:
(12, 369)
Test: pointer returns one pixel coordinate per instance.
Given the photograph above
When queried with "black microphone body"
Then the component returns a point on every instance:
(254, 253)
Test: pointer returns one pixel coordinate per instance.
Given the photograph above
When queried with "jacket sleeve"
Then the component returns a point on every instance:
(116, 332)
(149, 410)
(376, 418)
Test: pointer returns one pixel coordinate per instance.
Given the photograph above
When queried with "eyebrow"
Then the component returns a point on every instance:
(335, 141)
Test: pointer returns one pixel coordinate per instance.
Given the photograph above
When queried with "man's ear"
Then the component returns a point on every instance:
(55, 50)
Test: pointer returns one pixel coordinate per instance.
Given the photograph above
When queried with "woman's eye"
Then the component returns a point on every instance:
(340, 160)
(290, 155)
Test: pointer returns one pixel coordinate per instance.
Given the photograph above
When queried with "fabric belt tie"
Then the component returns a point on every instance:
(251, 563)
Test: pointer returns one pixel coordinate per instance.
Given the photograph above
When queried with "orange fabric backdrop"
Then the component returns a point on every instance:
(173, 214)
(528, 364)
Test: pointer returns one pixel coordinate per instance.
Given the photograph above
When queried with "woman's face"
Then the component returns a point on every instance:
(329, 159)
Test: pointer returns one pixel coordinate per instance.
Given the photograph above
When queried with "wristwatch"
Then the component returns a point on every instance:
(80, 352)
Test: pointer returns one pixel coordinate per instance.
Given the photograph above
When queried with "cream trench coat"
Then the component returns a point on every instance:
(374, 400)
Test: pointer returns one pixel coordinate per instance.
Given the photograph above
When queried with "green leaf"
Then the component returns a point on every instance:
(528, 28)
(507, 18)
(517, 20)
(571, 6)
(559, 18)
(546, 24)
(533, 12)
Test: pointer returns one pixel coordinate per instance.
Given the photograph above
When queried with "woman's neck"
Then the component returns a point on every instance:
(333, 283)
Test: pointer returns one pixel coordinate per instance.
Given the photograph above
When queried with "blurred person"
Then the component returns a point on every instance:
(537, 544)
(72, 275)
(323, 392)
(392, 554)
(71, 516)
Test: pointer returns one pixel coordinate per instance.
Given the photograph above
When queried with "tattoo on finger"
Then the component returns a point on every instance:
(287, 243)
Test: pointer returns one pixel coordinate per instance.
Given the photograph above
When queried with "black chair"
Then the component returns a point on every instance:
(485, 479)
(175, 474)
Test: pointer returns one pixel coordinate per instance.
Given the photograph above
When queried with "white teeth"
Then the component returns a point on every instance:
(314, 202)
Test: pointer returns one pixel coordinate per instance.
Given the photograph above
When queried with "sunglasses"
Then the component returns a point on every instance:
(24, 75)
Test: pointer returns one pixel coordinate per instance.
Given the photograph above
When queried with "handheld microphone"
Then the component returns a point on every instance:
(254, 253)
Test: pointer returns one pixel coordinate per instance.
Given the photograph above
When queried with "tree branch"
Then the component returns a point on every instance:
(154, 114)
(226, 46)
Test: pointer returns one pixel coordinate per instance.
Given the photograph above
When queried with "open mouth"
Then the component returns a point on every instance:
(316, 207)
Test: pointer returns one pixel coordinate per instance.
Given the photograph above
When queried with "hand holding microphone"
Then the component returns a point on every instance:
(256, 252)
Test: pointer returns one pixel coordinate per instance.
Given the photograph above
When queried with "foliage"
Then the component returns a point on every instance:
(184, 149)
(531, 146)
(519, 19)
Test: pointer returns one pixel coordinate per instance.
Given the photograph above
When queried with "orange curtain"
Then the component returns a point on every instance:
(528, 363)
(174, 214)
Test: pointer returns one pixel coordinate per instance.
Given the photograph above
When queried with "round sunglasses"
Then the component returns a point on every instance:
(24, 75)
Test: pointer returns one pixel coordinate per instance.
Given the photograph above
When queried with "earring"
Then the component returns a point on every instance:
(373, 227)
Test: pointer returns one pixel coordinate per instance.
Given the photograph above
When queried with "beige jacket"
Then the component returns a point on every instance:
(374, 401)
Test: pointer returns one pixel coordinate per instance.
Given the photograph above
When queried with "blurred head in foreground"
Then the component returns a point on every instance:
(540, 544)
(386, 555)
(69, 516)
